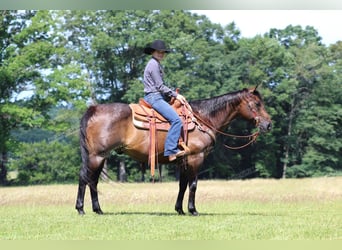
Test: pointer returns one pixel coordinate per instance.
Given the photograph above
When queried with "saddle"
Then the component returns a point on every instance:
(143, 114)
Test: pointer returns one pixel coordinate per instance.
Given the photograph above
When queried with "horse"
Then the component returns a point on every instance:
(107, 127)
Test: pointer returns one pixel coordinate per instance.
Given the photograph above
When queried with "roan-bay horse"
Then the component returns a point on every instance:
(107, 127)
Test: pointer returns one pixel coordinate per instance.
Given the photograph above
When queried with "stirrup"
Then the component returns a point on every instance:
(185, 147)
(179, 154)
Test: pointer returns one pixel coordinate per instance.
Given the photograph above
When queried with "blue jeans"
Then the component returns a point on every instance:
(158, 103)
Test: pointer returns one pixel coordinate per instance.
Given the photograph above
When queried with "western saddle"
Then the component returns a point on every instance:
(145, 117)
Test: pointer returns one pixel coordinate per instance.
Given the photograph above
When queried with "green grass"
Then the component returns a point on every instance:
(255, 209)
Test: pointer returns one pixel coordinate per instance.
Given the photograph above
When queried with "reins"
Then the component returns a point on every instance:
(254, 136)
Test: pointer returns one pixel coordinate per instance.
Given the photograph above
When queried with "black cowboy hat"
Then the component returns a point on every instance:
(156, 45)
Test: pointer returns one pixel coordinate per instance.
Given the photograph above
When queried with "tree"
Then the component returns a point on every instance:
(54, 63)
(109, 47)
(320, 119)
(34, 75)
(306, 85)
(46, 162)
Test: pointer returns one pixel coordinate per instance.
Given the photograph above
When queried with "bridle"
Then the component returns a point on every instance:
(254, 113)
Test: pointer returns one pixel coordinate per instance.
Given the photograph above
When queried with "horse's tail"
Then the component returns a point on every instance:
(83, 143)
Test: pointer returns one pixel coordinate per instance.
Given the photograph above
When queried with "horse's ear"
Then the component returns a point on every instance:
(256, 87)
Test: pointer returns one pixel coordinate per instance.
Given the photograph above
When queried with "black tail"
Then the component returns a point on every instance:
(83, 143)
(84, 171)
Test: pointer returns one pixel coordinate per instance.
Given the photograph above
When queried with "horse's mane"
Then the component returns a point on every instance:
(210, 107)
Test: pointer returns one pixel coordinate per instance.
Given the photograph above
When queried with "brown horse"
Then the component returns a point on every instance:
(107, 127)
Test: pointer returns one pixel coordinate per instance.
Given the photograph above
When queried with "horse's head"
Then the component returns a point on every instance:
(252, 108)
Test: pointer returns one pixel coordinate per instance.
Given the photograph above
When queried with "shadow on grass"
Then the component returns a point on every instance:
(190, 215)
(143, 213)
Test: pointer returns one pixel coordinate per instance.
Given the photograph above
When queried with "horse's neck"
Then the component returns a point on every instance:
(222, 111)
(223, 119)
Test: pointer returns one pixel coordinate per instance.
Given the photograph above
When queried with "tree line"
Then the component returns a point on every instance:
(53, 64)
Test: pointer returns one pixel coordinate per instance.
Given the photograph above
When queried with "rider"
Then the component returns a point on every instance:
(155, 94)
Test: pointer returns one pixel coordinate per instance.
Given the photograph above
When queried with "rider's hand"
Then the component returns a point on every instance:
(181, 98)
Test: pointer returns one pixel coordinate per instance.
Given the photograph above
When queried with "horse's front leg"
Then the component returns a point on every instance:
(183, 182)
(192, 194)
(193, 165)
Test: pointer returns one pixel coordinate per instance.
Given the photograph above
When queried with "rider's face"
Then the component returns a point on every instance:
(159, 55)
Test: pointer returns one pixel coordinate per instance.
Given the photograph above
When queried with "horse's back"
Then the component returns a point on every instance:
(106, 124)
(115, 109)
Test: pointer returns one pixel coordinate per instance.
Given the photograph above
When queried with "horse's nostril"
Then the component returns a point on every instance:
(269, 126)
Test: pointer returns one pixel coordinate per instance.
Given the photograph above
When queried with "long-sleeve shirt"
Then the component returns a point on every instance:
(153, 79)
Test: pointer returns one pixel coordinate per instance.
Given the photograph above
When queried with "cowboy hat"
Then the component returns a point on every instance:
(156, 45)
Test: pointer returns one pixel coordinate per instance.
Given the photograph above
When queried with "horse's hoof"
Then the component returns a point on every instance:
(98, 211)
(194, 212)
(80, 211)
(180, 211)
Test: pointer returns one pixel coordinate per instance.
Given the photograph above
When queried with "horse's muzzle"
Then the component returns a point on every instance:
(265, 126)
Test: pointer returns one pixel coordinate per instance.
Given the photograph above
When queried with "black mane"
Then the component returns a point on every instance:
(210, 107)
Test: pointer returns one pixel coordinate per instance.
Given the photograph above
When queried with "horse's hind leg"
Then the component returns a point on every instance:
(90, 176)
(94, 179)
(81, 192)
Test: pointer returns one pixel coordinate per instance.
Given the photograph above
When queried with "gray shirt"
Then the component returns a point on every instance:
(153, 79)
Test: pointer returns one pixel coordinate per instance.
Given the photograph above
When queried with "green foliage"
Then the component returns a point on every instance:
(54, 63)
(133, 93)
(45, 162)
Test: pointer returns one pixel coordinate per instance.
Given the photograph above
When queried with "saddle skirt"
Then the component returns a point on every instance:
(143, 114)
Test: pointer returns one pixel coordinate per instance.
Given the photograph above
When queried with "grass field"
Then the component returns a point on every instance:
(253, 209)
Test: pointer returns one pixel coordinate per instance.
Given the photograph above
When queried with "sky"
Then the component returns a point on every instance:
(258, 22)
